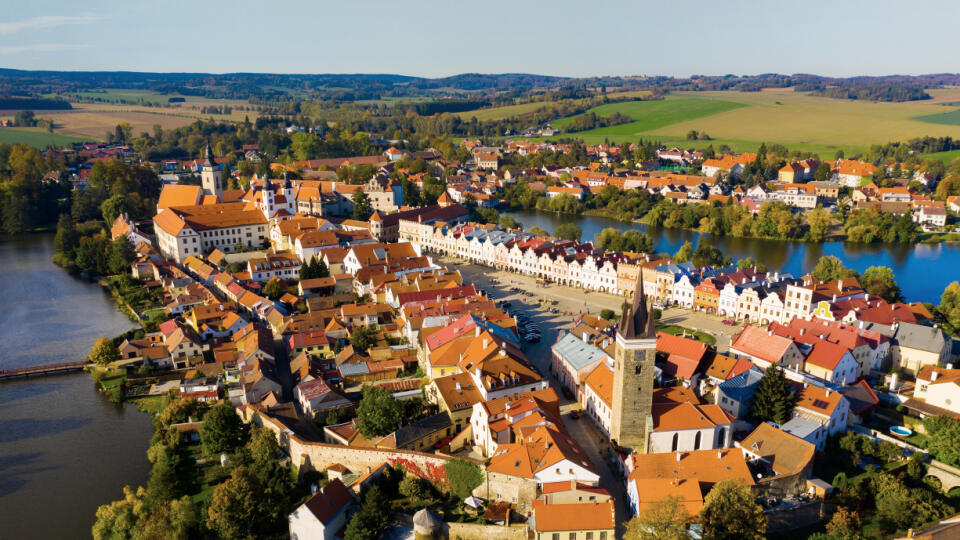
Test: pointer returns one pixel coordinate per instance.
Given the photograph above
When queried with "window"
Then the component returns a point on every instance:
(676, 441)
(696, 441)
(572, 536)
(555, 536)
(589, 536)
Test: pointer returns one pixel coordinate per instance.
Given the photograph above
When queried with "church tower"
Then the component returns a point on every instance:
(211, 177)
(634, 356)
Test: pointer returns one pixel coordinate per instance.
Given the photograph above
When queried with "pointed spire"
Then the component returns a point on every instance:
(208, 157)
(637, 319)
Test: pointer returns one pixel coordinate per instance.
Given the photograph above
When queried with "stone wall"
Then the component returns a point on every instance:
(310, 455)
(512, 489)
(472, 531)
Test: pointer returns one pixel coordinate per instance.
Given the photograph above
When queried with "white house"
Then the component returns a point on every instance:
(323, 515)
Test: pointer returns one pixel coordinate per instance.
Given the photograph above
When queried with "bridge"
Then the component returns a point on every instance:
(949, 476)
(46, 369)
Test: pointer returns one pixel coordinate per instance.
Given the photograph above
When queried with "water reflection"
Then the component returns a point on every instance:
(922, 270)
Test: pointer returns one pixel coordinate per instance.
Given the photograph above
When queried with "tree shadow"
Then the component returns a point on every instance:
(20, 429)
(15, 470)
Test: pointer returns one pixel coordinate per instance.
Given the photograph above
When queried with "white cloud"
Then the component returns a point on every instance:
(41, 47)
(46, 21)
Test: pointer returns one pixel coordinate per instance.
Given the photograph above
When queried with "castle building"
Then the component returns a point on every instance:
(634, 356)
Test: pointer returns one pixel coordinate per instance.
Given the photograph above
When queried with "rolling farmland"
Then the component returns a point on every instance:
(796, 120)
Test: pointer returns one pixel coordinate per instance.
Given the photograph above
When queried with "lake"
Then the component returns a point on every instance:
(64, 448)
(922, 270)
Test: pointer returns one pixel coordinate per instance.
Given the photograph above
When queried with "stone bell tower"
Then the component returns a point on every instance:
(636, 348)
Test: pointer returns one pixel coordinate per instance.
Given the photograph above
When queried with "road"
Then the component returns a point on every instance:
(569, 300)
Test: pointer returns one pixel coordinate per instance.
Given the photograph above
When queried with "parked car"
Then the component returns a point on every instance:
(575, 414)
(729, 322)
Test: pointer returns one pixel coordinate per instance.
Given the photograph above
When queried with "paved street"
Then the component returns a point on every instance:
(704, 322)
(569, 301)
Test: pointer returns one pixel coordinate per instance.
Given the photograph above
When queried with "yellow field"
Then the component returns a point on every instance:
(796, 119)
(499, 113)
(96, 119)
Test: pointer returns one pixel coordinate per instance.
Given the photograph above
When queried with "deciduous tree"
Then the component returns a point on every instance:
(222, 429)
(730, 512)
(378, 413)
(103, 352)
(664, 519)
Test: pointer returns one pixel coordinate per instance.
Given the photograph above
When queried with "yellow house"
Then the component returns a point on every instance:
(822, 311)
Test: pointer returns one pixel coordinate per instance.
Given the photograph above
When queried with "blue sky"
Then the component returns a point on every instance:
(439, 38)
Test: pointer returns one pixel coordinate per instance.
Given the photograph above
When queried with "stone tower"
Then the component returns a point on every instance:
(636, 349)
(211, 177)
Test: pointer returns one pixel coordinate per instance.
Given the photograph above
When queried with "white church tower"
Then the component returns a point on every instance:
(211, 177)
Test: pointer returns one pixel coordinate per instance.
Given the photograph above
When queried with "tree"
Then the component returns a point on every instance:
(164, 482)
(378, 413)
(880, 281)
(273, 289)
(413, 486)
(818, 224)
(178, 518)
(463, 476)
(664, 519)
(608, 314)
(706, 254)
(568, 231)
(122, 254)
(771, 400)
(118, 519)
(361, 205)
(943, 433)
(730, 512)
(750, 262)
(67, 238)
(949, 307)
(684, 254)
(537, 231)
(823, 173)
(233, 507)
(844, 525)
(103, 352)
(222, 429)
(830, 268)
(178, 411)
(508, 222)
(363, 337)
(113, 207)
(372, 519)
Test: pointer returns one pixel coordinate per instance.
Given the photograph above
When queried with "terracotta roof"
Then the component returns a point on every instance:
(600, 380)
(759, 343)
(574, 517)
(706, 466)
(651, 490)
(681, 416)
(177, 195)
(817, 400)
(785, 453)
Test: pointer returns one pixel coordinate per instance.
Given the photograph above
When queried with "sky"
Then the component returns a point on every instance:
(439, 38)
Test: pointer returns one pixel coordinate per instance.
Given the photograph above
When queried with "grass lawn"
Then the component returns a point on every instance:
(506, 111)
(945, 157)
(38, 138)
(675, 330)
(151, 404)
(155, 312)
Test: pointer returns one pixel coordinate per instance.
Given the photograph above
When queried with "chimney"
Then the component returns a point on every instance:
(934, 375)
(834, 298)
(476, 331)
(828, 392)
(839, 285)
(719, 455)
(485, 342)
(459, 388)
(585, 337)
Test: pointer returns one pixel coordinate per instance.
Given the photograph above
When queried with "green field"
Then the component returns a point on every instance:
(506, 111)
(951, 118)
(796, 120)
(148, 96)
(945, 157)
(650, 115)
(40, 139)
